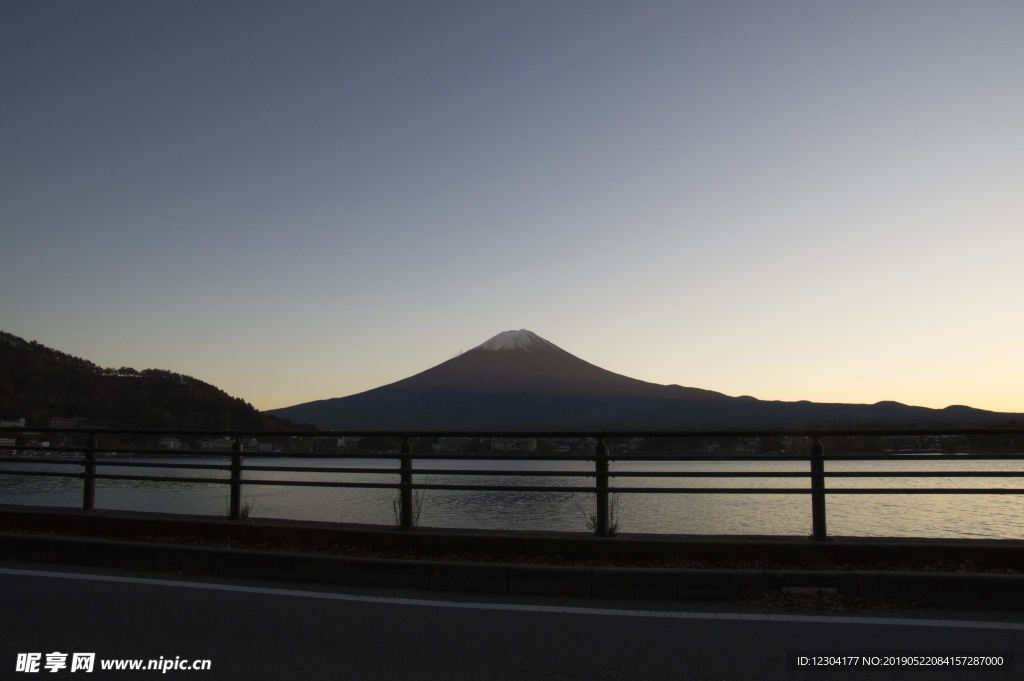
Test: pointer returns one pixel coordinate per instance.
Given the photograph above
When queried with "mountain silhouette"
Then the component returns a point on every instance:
(520, 381)
(37, 383)
(521, 362)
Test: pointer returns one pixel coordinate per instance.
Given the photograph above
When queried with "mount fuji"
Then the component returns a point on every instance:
(520, 381)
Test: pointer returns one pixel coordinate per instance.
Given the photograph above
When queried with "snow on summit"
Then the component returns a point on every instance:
(516, 340)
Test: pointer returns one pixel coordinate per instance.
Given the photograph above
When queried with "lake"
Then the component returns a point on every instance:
(990, 516)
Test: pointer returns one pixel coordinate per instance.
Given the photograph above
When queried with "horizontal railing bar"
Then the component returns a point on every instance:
(154, 478)
(718, 490)
(322, 483)
(59, 462)
(830, 491)
(363, 455)
(325, 483)
(918, 457)
(140, 464)
(588, 489)
(925, 474)
(699, 457)
(224, 467)
(801, 474)
(564, 474)
(427, 471)
(299, 469)
(534, 488)
(794, 432)
(49, 474)
(581, 457)
(647, 474)
(437, 457)
(228, 481)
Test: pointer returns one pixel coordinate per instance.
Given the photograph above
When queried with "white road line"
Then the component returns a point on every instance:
(816, 619)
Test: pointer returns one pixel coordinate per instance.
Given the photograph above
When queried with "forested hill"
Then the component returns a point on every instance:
(37, 382)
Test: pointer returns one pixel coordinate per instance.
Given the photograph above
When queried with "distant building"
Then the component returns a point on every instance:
(574, 444)
(250, 445)
(747, 445)
(327, 445)
(170, 443)
(219, 445)
(513, 444)
(450, 445)
(913, 443)
(13, 423)
(6, 442)
(631, 446)
(63, 422)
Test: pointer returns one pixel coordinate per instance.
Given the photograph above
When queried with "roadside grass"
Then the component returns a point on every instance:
(613, 514)
(417, 506)
(244, 511)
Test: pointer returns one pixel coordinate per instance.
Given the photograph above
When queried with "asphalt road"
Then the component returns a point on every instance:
(329, 633)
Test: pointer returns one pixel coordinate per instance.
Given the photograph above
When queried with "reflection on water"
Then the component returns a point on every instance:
(998, 516)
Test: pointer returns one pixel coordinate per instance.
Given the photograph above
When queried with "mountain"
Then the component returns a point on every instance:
(39, 383)
(520, 381)
(521, 362)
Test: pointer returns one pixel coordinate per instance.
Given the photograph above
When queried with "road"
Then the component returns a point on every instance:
(258, 630)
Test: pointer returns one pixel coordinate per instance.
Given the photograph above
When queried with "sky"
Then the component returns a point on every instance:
(302, 200)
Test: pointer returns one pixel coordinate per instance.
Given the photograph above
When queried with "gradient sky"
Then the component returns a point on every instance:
(302, 200)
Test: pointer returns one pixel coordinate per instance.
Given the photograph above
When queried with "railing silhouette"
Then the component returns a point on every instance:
(601, 457)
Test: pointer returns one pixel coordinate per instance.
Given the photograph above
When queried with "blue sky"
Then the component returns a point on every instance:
(294, 201)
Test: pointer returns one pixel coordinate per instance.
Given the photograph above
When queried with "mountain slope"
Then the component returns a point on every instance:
(519, 381)
(517, 362)
(38, 383)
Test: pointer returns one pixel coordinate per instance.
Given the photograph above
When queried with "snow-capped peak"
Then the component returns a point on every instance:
(516, 340)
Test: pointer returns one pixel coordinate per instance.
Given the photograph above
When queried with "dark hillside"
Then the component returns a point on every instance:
(38, 383)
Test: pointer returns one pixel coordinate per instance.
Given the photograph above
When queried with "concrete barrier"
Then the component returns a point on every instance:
(544, 580)
(865, 552)
(936, 589)
(718, 585)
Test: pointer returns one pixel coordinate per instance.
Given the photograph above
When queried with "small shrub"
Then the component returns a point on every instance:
(613, 515)
(244, 510)
(417, 506)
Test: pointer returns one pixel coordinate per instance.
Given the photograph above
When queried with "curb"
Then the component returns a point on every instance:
(968, 590)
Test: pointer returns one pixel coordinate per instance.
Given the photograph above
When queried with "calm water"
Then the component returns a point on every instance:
(852, 515)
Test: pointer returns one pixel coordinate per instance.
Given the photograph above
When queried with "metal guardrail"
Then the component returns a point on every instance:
(601, 458)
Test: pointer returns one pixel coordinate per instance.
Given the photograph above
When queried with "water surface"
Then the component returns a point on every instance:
(917, 515)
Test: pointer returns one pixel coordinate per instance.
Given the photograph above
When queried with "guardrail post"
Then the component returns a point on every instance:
(405, 490)
(236, 480)
(601, 485)
(818, 491)
(89, 482)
